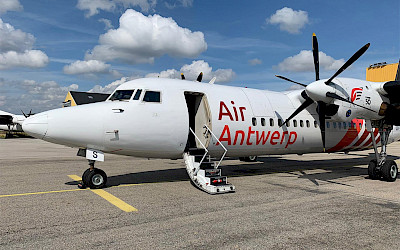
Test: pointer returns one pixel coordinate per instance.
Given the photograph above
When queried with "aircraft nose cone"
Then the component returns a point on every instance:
(36, 125)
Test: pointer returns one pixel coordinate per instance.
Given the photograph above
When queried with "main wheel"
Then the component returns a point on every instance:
(96, 178)
(248, 158)
(373, 173)
(389, 171)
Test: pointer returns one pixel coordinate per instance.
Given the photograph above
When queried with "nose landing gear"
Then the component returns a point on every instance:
(93, 178)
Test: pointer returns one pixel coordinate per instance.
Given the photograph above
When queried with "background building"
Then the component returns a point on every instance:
(382, 72)
(74, 98)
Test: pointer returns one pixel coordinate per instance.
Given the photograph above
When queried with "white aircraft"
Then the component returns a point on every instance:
(11, 122)
(203, 123)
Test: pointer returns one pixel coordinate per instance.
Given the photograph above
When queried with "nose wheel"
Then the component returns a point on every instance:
(93, 178)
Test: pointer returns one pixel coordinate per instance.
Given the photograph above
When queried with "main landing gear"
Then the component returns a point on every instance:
(93, 177)
(382, 167)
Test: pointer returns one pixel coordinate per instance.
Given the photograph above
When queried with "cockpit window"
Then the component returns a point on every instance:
(137, 94)
(122, 95)
(152, 96)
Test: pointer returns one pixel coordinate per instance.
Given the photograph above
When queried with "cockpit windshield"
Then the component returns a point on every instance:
(122, 95)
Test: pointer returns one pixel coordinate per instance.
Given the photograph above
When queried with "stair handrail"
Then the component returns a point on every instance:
(198, 139)
(219, 142)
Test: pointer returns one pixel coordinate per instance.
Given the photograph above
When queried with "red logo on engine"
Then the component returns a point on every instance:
(356, 94)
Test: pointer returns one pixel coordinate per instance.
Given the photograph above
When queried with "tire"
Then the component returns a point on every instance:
(372, 171)
(96, 179)
(84, 176)
(248, 158)
(252, 158)
(389, 171)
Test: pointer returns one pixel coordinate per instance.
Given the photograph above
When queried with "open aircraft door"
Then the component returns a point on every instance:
(199, 115)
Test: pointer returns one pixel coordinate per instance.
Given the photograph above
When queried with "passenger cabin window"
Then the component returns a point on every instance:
(334, 124)
(344, 125)
(122, 95)
(263, 122)
(152, 96)
(254, 121)
(327, 125)
(279, 122)
(137, 94)
(315, 124)
(301, 123)
(294, 123)
(271, 122)
(307, 123)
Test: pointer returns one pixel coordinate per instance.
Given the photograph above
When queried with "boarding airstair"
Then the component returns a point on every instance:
(203, 168)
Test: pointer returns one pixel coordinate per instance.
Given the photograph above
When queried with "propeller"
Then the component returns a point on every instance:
(315, 55)
(349, 62)
(182, 76)
(287, 79)
(27, 115)
(200, 77)
(322, 94)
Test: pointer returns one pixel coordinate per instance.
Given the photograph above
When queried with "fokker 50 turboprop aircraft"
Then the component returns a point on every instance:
(170, 118)
(12, 123)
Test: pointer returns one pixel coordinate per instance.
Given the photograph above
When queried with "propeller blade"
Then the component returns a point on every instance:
(287, 79)
(24, 114)
(182, 76)
(303, 106)
(398, 72)
(200, 77)
(335, 96)
(30, 113)
(349, 62)
(321, 116)
(316, 56)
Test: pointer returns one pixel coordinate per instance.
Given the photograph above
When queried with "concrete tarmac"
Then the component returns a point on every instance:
(304, 202)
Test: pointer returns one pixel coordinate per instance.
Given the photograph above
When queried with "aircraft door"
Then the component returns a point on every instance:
(199, 115)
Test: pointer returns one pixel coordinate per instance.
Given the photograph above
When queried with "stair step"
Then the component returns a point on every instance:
(207, 165)
(197, 151)
(212, 172)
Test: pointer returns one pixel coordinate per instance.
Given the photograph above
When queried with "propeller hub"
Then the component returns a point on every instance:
(317, 91)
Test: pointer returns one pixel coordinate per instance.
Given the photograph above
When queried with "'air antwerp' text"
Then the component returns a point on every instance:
(261, 137)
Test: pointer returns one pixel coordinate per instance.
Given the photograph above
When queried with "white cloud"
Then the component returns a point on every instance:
(14, 40)
(38, 96)
(107, 23)
(140, 39)
(179, 3)
(304, 62)
(255, 61)
(2, 100)
(10, 5)
(191, 72)
(94, 6)
(29, 58)
(89, 67)
(289, 20)
(16, 49)
(109, 88)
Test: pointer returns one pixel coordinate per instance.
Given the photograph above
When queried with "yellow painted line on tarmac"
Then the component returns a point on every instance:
(45, 192)
(109, 197)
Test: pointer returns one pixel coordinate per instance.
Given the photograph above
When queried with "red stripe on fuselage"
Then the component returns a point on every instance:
(349, 137)
(363, 137)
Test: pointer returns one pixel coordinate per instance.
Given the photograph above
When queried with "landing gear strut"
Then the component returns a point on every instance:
(93, 177)
(382, 167)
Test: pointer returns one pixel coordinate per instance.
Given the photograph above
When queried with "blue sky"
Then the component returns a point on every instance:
(48, 47)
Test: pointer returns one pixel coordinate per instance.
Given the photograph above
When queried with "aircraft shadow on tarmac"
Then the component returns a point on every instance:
(336, 169)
